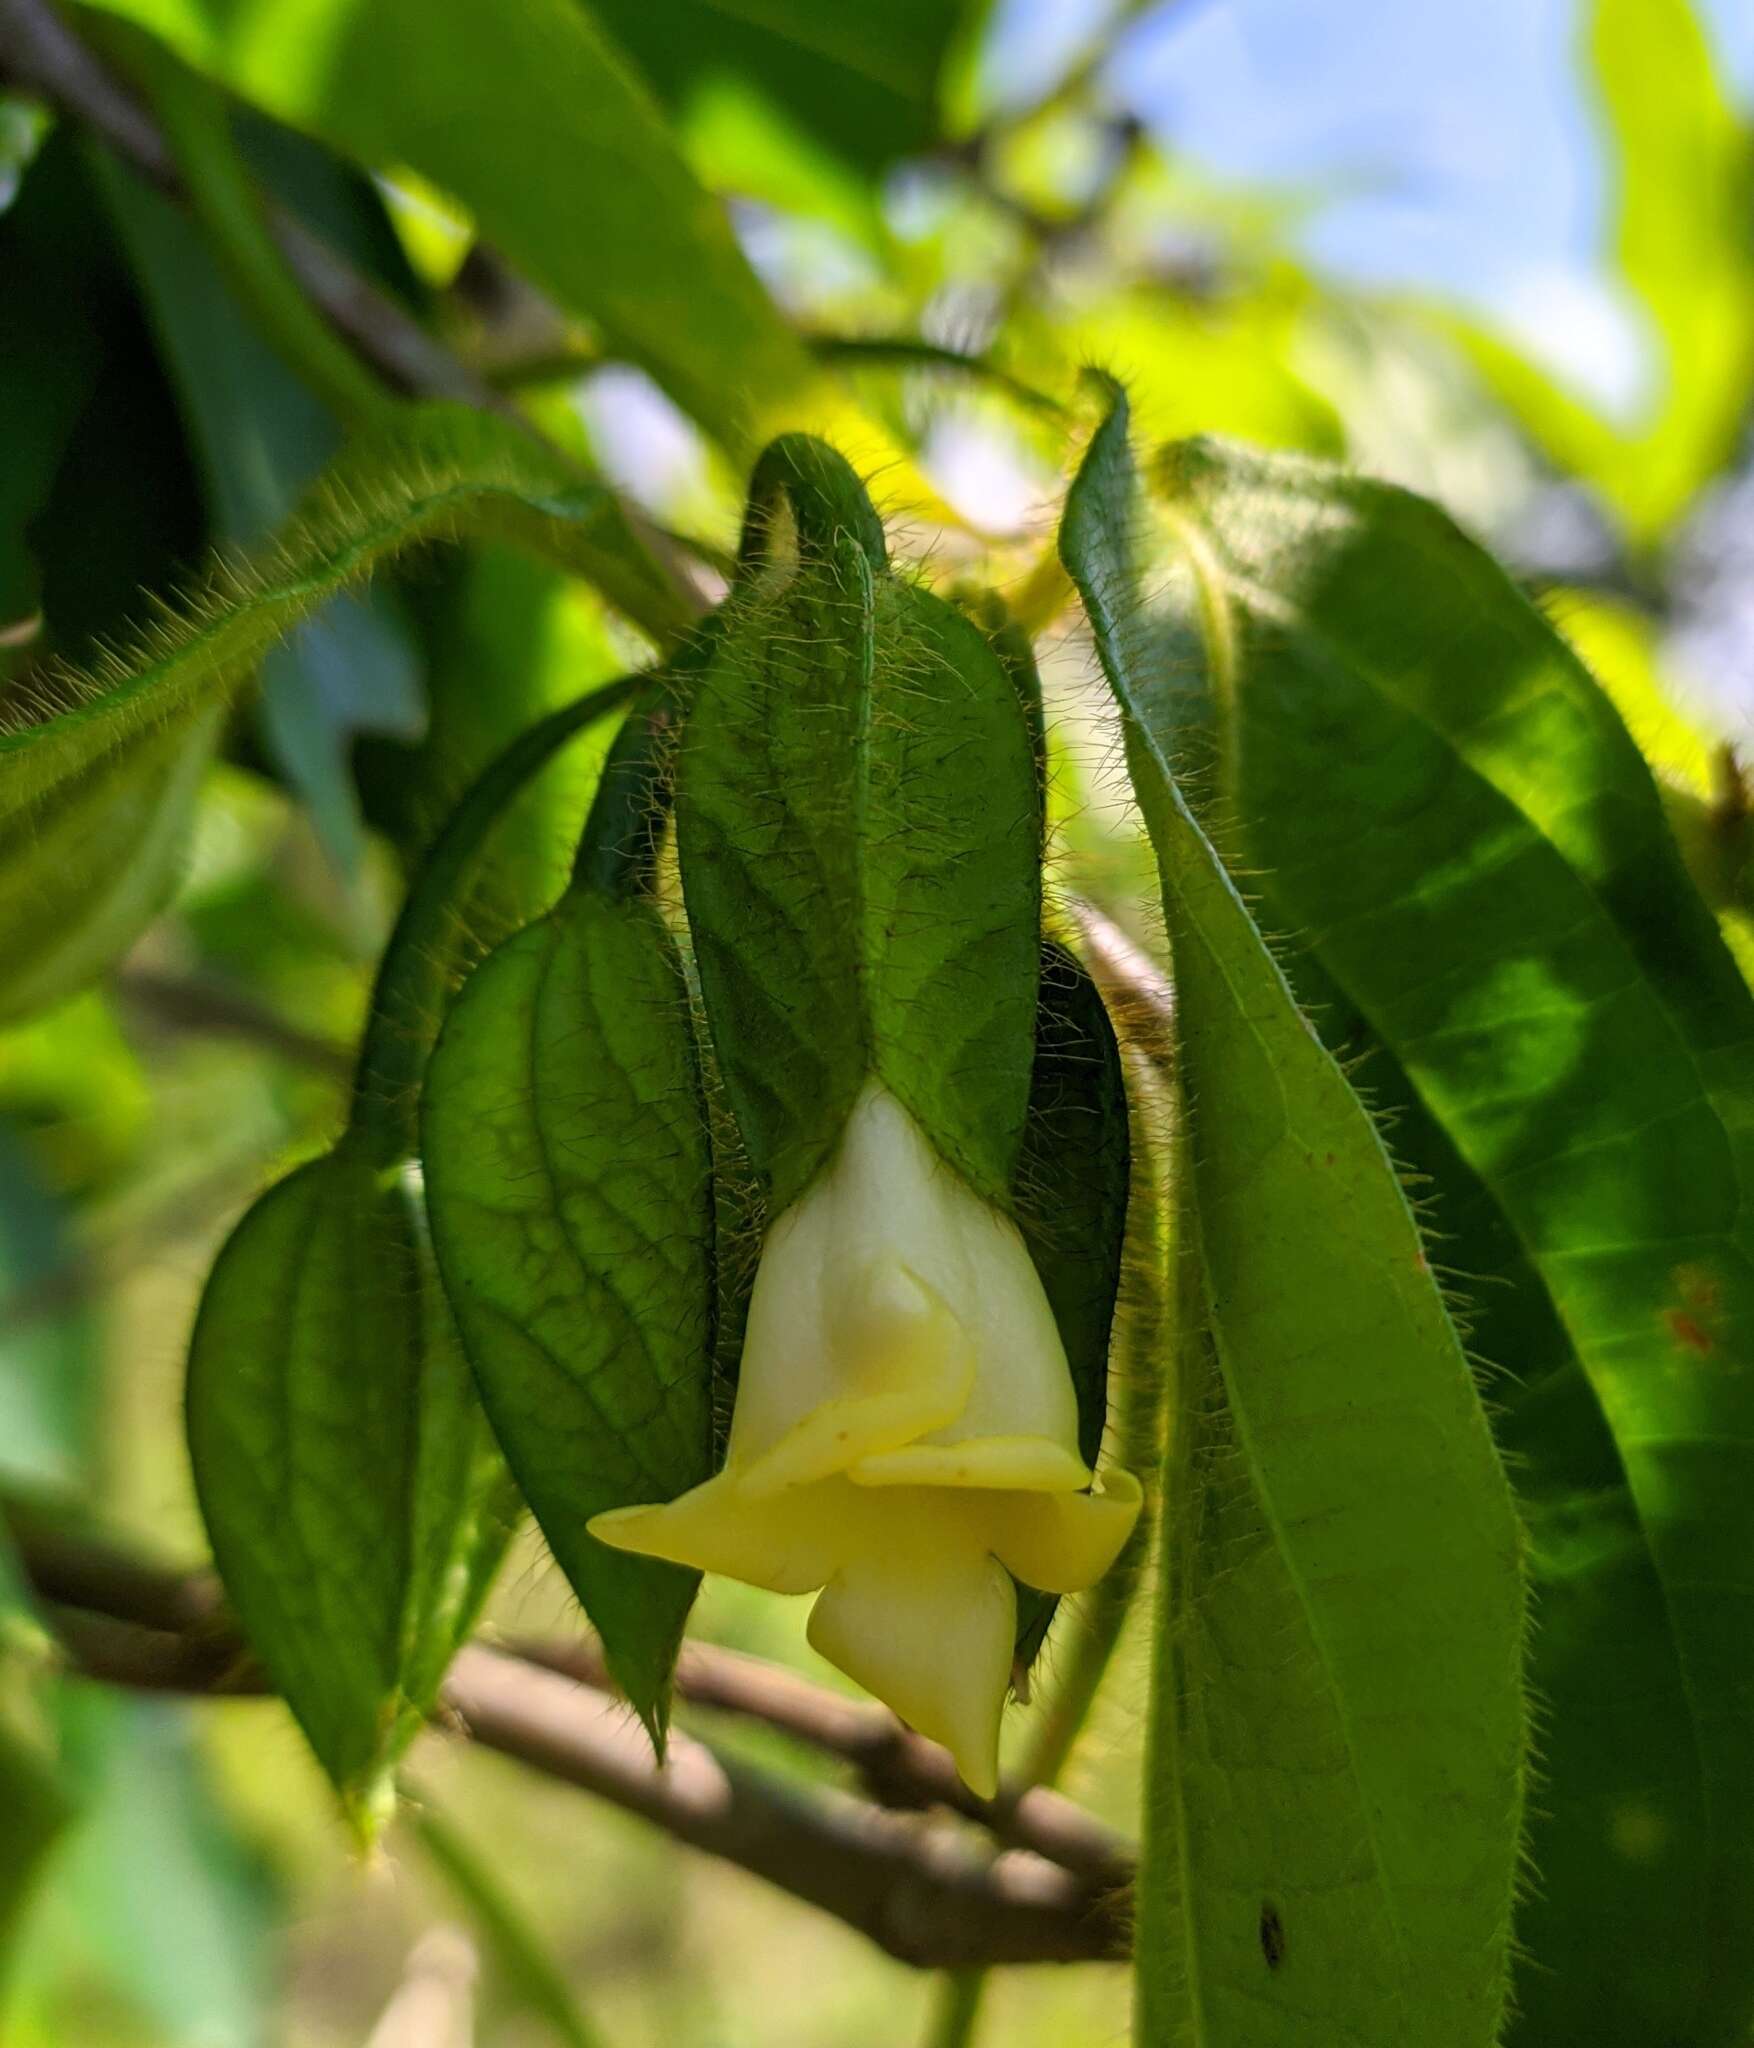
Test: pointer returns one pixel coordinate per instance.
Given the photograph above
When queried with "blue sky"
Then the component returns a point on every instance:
(1455, 137)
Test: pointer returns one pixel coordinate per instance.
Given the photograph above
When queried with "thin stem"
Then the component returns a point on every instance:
(955, 2011)
(529, 1971)
(909, 352)
(40, 53)
(923, 1893)
(205, 1006)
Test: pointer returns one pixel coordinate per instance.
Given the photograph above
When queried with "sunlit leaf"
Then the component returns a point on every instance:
(1679, 155)
(863, 83)
(1335, 1770)
(539, 125)
(1445, 808)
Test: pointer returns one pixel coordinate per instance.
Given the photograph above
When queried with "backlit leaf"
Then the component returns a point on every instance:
(569, 1179)
(857, 829)
(533, 118)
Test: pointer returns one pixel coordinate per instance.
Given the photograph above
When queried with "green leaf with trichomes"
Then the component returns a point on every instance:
(1336, 1754)
(1489, 901)
(261, 437)
(345, 1478)
(565, 1142)
(356, 1501)
(857, 831)
(443, 472)
(98, 769)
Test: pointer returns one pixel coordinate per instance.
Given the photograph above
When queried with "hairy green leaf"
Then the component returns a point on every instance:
(98, 770)
(328, 1393)
(345, 1475)
(535, 120)
(857, 829)
(84, 873)
(1453, 818)
(441, 472)
(1337, 1746)
(567, 1169)
(261, 437)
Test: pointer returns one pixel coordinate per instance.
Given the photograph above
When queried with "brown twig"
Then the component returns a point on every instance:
(899, 1769)
(925, 1893)
(1137, 991)
(207, 1007)
(41, 53)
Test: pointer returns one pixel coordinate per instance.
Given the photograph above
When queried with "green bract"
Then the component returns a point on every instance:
(567, 1160)
(356, 1507)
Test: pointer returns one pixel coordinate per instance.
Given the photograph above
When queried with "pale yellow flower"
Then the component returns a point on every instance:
(904, 1437)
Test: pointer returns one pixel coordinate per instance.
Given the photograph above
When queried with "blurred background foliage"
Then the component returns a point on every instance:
(1508, 262)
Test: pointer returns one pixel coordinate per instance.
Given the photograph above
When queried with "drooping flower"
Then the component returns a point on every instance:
(904, 1438)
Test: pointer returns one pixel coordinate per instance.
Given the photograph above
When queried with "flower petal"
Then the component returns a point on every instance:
(904, 1365)
(1016, 1463)
(1064, 1542)
(789, 1542)
(929, 1627)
